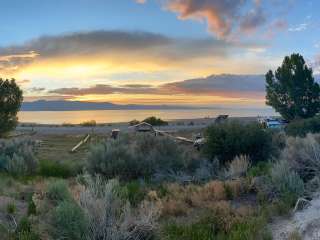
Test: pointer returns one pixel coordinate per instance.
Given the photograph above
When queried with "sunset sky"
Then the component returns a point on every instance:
(206, 52)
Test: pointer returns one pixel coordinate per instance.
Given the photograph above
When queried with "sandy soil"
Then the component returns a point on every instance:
(305, 223)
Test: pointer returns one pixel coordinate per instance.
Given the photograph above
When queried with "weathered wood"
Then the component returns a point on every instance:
(300, 204)
(22, 134)
(83, 141)
(182, 139)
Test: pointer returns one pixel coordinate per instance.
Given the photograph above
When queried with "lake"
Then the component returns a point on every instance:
(112, 116)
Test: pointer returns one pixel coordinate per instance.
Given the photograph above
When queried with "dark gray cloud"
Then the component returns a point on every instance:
(36, 90)
(225, 84)
(117, 45)
(220, 83)
(102, 89)
(137, 85)
(82, 43)
(252, 20)
(104, 42)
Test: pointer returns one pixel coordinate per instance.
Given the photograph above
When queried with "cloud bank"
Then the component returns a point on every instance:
(116, 47)
(217, 85)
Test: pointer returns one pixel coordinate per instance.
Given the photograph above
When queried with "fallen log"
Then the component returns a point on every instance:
(23, 134)
(83, 141)
(177, 138)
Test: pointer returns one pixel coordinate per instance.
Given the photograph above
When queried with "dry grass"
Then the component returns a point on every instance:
(294, 236)
(174, 207)
(303, 154)
(182, 199)
(237, 187)
(214, 190)
(238, 167)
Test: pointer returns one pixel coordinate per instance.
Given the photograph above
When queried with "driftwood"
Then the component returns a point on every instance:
(23, 134)
(183, 139)
(178, 138)
(300, 204)
(83, 141)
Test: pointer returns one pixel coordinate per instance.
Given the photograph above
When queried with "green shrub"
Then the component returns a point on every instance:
(133, 122)
(27, 236)
(287, 182)
(204, 230)
(155, 121)
(55, 169)
(251, 228)
(11, 208)
(228, 191)
(91, 123)
(69, 222)
(140, 158)
(260, 169)
(32, 209)
(17, 156)
(136, 192)
(25, 230)
(24, 225)
(230, 139)
(113, 158)
(58, 191)
(303, 126)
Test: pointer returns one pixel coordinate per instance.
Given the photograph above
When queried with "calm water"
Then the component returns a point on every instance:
(112, 116)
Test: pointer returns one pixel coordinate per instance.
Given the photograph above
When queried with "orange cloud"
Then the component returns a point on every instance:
(222, 16)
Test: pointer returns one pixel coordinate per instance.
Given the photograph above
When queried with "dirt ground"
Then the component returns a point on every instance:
(304, 223)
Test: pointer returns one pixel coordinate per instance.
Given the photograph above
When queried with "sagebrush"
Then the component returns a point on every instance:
(17, 156)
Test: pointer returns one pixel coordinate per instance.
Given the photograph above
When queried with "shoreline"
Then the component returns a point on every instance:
(106, 128)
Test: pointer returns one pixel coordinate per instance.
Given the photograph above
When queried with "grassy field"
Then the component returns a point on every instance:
(58, 148)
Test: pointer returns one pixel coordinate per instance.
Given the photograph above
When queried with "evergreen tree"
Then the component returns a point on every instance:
(292, 90)
(10, 102)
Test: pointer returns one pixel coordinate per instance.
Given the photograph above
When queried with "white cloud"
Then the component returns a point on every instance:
(299, 28)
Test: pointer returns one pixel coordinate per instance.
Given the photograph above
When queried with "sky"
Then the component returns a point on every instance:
(198, 52)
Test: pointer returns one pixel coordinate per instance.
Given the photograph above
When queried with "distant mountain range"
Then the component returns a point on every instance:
(43, 105)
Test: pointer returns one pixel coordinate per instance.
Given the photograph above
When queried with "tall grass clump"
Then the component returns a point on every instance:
(110, 215)
(139, 158)
(303, 154)
(223, 224)
(227, 140)
(238, 167)
(202, 229)
(17, 156)
(287, 182)
(25, 230)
